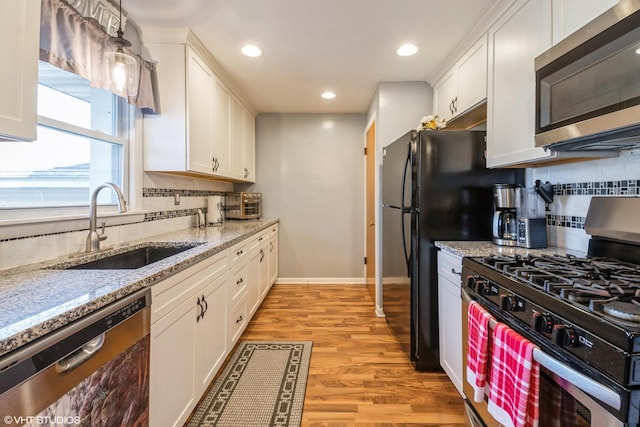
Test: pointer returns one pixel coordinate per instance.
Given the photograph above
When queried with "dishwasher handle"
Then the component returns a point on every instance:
(81, 355)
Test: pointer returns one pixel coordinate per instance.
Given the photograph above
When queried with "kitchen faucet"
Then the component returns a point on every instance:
(94, 239)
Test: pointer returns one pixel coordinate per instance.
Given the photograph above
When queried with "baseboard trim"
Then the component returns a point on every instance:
(320, 281)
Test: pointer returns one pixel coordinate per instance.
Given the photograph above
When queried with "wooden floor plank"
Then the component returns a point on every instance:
(359, 375)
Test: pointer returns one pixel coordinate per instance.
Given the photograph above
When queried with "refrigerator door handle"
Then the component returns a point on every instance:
(405, 210)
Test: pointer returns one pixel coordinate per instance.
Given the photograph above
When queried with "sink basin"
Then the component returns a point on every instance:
(133, 259)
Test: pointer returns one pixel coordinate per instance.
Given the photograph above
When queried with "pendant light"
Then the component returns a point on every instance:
(121, 69)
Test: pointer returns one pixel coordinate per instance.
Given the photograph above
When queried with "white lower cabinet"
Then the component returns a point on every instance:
(273, 254)
(450, 316)
(188, 338)
(197, 316)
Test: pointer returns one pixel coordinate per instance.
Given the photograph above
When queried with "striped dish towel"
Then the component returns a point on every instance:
(514, 380)
(477, 353)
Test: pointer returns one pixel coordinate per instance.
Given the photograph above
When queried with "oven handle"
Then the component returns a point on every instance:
(584, 383)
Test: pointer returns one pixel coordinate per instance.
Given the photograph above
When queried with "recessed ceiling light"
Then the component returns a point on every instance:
(251, 50)
(328, 95)
(407, 50)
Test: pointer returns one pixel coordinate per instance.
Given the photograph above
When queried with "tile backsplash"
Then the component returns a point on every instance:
(574, 186)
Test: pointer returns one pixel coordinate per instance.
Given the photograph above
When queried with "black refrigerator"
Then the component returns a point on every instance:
(435, 186)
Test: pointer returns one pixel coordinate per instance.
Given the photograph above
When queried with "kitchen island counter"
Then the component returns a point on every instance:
(39, 298)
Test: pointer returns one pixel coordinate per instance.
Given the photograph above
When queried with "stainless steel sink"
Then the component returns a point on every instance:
(135, 258)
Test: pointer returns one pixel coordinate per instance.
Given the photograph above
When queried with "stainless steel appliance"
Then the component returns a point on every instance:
(95, 371)
(587, 96)
(505, 221)
(583, 313)
(434, 187)
(532, 222)
(243, 205)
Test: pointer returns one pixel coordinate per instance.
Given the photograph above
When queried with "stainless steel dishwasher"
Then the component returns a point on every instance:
(94, 371)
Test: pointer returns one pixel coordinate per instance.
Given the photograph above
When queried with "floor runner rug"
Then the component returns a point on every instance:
(262, 385)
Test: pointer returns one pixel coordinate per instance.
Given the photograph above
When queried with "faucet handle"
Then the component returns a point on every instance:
(103, 236)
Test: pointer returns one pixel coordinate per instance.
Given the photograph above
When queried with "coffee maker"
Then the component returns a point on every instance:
(505, 215)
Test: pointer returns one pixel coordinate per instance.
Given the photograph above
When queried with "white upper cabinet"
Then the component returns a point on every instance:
(201, 126)
(19, 44)
(515, 39)
(464, 85)
(570, 15)
(243, 142)
(199, 132)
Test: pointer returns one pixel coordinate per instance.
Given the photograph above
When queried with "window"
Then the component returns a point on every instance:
(82, 142)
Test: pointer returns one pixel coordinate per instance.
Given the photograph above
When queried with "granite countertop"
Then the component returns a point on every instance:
(36, 299)
(485, 248)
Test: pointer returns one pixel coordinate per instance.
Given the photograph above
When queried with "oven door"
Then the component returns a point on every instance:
(562, 403)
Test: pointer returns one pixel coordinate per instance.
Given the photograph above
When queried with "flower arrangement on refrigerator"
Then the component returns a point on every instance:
(431, 122)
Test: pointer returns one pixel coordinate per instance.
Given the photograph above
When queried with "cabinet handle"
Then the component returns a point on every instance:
(261, 255)
(246, 172)
(206, 306)
(455, 104)
(239, 281)
(201, 314)
(240, 319)
(240, 252)
(270, 246)
(459, 273)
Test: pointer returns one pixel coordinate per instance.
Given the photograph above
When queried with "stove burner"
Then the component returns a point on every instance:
(629, 311)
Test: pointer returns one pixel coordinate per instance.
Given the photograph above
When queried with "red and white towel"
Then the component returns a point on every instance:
(477, 353)
(514, 379)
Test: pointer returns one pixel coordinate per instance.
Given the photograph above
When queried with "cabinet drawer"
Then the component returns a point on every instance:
(237, 321)
(238, 253)
(258, 239)
(238, 283)
(171, 292)
(450, 267)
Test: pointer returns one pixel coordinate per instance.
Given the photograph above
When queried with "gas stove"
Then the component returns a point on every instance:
(586, 307)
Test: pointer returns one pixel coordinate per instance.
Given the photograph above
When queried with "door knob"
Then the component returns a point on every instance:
(371, 224)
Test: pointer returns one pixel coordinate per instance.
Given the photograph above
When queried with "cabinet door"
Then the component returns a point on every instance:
(515, 39)
(211, 331)
(273, 258)
(237, 138)
(445, 94)
(253, 281)
(249, 170)
(265, 283)
(19, 39)
(222, 129)
(472, 76)
(450, 321)
(200, 83)
(172, 385)
(570, 15)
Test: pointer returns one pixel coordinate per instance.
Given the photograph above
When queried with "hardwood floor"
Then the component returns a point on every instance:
(358, 375)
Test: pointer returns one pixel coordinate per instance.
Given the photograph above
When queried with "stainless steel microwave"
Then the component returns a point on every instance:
(243, 205)
(588, 85)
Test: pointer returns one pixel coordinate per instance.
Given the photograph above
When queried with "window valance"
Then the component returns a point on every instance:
(77, 44)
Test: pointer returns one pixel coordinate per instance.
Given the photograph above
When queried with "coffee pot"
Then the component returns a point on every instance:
(505, 218)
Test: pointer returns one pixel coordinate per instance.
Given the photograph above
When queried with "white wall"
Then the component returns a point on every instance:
(310, 170)
(577, 183)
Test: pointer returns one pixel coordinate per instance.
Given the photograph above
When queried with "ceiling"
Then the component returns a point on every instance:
(346, 46)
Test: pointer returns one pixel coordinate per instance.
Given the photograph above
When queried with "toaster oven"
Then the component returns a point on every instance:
(243, 205)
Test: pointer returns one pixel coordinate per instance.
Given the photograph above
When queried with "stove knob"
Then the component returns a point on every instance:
(542, 322)
(508, 302)
(471, 282)
(564, 335)
(482, 287)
